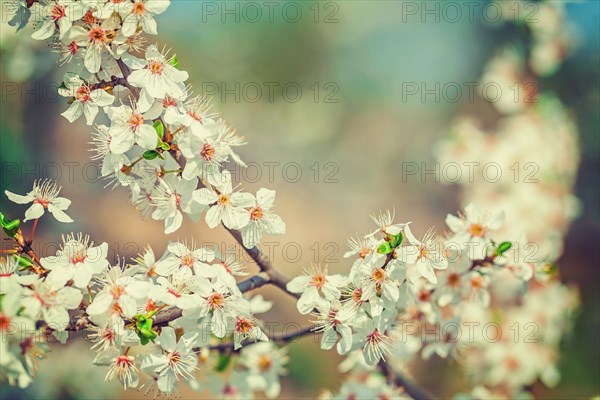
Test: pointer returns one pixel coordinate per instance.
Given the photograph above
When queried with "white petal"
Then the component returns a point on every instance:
(73, 112)
(149, 24)
(213, 216)
(146, 136)
(17, 198)
(35, 211)
(59, 214)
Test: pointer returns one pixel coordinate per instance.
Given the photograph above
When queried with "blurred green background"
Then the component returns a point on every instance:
(348, 133)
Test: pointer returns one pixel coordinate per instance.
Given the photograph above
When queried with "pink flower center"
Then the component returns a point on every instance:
(364, 252)
(139, 8)
(89, 18)
(477, 230)
(124, 362)
(58, 12)
(357, 296)
(42, 201)
(264, 363)
(117, 292)
(194, 115)
(374, 338)
(4, 322)
(223, 199)
(216, 301)
(256, 213)
(135, 120)
(169, 102)
(454, 280)
(174, 292)
(156, 67)
(78, 258)
(97, 35)
(477, 281)
(424, 295)
(177, 199)
(318, 281)
(207, 152)
(108, 335)
(378, 276)
(73, 47)
(83, 93)
(188, 260)
(243, 326)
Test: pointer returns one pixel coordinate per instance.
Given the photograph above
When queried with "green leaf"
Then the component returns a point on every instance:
(385, 248)
(396, 240)
(222, 362)
(143, 328)
(159, 127)
(165, 146)
(150, 154)
(24, 262)
(503, 248)
(10, 227)
(174, 61)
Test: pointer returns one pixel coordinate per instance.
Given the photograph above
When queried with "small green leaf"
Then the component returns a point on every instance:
(503, 248)
(174, 61)
(10, 227)
(165, 146)
(159, 127)
(396, 240)
(143, 328)
(24, 262)
(385, 248)
(150, 154)
(222, 362)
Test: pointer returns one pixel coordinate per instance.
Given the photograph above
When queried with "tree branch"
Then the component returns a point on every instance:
(279, 338)
(398, 380)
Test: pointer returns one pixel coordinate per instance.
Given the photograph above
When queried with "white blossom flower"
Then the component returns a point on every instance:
(50, 300)
(111, 335)
(123, 367)
(156, 77)
(170, 197)
(471, 231)
(378, 280)
(265, 363)
(112, 164)
(385, 222)
(176, 290)
(78, 259)
(316, 287)
(422, 257)
(183, 261)
(96, 40)
(332, 321)
(227, 270)
(120, 294)
(84, 100)
(56, 15)
(224, 306)
(246, 328)
(262, 220)
(43, 196)
(366, 250)
(476, 288)
(176, 361)
(376, 343)
(193, 113)
(128, 127)
(226, 205)
(143, 11)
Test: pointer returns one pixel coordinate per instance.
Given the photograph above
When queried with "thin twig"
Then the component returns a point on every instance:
(398, 380)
